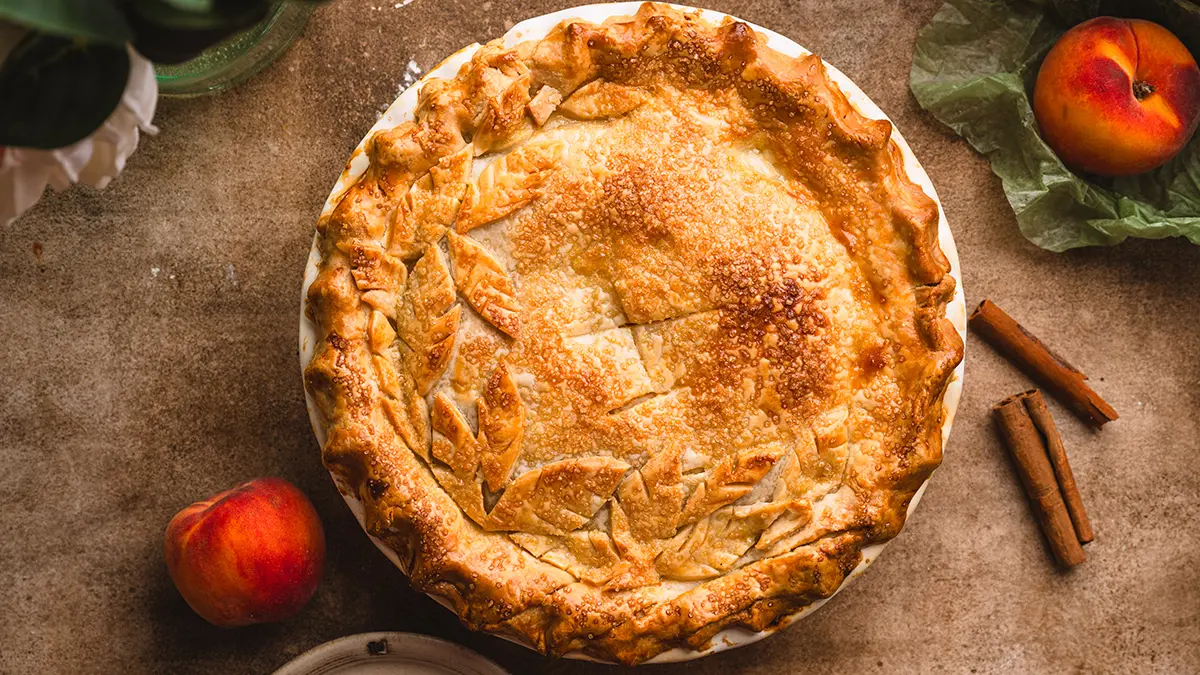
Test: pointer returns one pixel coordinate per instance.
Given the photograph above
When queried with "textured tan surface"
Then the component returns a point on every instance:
(129, 393)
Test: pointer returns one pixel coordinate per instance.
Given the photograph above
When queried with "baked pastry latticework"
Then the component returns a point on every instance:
(635, 333)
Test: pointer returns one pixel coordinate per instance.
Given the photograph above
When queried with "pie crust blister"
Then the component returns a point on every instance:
(637, 332)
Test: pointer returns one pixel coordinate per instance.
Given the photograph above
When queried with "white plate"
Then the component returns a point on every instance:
(402, 110)
(389, 654)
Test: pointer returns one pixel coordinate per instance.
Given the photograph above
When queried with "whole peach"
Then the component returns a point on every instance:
(252, 554)
(1117, 97)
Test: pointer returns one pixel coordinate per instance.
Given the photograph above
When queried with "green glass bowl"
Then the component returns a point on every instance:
(238, 57)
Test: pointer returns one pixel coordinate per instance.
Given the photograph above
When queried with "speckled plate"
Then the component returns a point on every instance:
(390, 654)
(402, 110)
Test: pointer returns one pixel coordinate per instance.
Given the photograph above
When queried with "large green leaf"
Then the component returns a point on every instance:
(192, 5)
(199, 16)
(166, 32)
(974, 67)
(55, 91)
(97, 20)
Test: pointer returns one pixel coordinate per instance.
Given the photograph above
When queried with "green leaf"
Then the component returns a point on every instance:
(974, 68)
(191, 5)
(97, 20)
(220, 15)
(55, 91)
(166, 34)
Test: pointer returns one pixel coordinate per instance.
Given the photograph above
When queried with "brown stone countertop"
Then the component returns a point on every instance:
(150, 360)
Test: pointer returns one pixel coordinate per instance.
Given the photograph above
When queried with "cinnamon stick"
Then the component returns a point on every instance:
(1043, 365)
(1035, 405)
(1037, 476)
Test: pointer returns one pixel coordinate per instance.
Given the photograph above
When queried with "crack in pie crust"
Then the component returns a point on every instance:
(635, 333)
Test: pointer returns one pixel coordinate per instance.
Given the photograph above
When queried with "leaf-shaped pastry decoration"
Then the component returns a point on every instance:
(400, 154)
(464, 491)
(406, 409)
(816, 458)
(380, 277)
(589, 555)
(543, 104)
(509, 183)
(484, 283)
(653, 496)
(812, 468)
(401, 404)
(712, 545)
(504, 123)
(557, 498)
(428, 319)
(426, 211)
(637, 556)
(479, 351)
(599, 99)
(489, 79)
(428, 361)
(537, 544)
(453, 442)
(501, 425)
(381, 337)
(493, 72)
(731, 479)
(834, 512)
(798, 515)
(430, 294)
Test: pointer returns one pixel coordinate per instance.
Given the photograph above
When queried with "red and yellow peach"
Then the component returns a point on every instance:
(1117, 97)
(252, 554)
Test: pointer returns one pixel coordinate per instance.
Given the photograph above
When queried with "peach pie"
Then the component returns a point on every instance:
(635, 333)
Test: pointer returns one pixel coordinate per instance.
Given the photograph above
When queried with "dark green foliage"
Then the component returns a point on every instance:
(55, 91)
(68, 75)
(165, 32)
(95, 20)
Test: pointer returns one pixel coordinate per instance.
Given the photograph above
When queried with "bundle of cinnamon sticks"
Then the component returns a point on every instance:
(1041, 461)
(1031, 435)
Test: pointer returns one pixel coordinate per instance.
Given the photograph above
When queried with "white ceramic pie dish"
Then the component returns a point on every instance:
(401, 110)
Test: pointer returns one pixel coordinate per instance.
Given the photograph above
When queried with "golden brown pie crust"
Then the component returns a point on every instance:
(665, 365)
